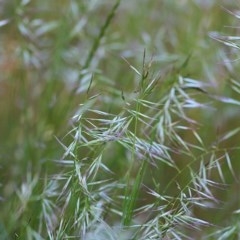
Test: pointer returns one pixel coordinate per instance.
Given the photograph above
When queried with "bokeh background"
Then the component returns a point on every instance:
(44, 46)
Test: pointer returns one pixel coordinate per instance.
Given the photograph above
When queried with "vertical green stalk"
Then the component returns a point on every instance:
(131, 193)
(101, 34)
(96, 44)
(131, 196)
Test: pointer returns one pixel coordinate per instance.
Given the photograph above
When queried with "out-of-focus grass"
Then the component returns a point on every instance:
(44, 49)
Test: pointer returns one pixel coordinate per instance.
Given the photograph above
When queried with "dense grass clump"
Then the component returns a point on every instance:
(119, 120)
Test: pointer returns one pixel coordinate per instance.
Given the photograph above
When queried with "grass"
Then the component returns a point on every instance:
(119, 120)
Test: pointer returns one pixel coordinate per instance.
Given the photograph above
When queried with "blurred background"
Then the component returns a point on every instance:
(43, 51)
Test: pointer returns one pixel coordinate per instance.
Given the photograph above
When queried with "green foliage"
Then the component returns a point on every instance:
(119, 120)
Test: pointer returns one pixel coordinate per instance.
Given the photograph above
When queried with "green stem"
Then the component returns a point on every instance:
(100, 35)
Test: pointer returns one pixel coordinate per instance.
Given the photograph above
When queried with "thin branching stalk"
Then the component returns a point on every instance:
(101, 34)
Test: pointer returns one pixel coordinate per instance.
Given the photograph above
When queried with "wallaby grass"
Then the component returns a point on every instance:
(119, 120)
